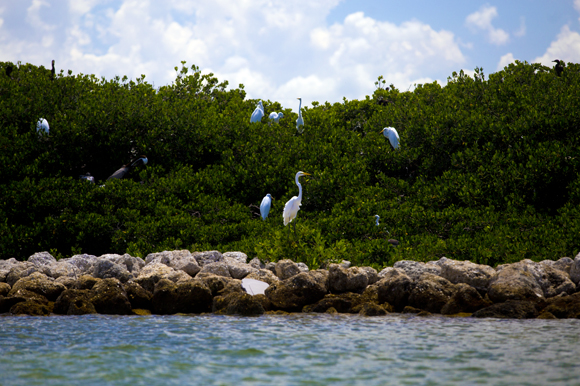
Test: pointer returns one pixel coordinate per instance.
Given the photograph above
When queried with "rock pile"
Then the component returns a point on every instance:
(173, 282)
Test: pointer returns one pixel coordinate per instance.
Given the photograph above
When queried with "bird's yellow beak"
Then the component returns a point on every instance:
(306, 174)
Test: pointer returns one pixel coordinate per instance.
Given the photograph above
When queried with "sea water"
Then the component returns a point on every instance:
(296, 349)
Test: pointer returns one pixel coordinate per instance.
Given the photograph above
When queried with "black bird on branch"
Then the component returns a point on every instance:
(52, 71)
(9, 69)
(559, 68)
(125, 169)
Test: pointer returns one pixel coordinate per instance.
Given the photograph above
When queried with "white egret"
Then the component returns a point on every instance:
(125, 169)
(88, 177)
(293, 206)
(392, 135)
(300, 121)
(275, 116)
(265, 206)
(258, 113)
(254, 287)
(42, 126)
(377, 219)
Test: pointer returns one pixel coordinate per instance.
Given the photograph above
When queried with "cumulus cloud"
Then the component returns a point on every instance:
(566, 47)
(481, 21)
(505, 60)
(279, 50)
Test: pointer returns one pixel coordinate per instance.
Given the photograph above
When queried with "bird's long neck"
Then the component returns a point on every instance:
(299, 190)
(300, 115)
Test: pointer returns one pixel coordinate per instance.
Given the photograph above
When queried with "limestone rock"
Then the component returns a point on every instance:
(5, 267)
(263, 275)
(215, 283)
(67, 281)
(207, 257)
(286, 268)
(372, 274)
(346, 279)
(575, 270)
(80, 299)
(138, 296)
(193, 297)
(180, 260)
(4, 289)
(22, 269)
(106, 269)
(465, 300)
(564, 306)
(340, 303)
(151, 274)
(295, 292)
(395, 289)
(271, 266)
(511, 309)
(244, 304)
(256, 263)
(563, 264)
(164, 297)
(132, 264)
(240, 257)
(302, 267)
(110, 297)
(514, 282)
(62, 269)
(86, 282)
(40, 284)
(30, 307)
(238, 270)
(476, 275)
(414, 269)
(219, 268)
(84, 263)
(431, 293)
(372, 309)
(42, 258)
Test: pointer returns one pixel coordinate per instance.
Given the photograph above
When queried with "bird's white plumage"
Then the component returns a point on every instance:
(275, 116)
(377, 219)
(392, 135)
(258, 113)
(42, 126)
(265, 206)
(293, 205)
(254, 287)
(300, 120)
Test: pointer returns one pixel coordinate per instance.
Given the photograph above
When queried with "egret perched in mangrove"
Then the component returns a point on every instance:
(265, 206)
(377, 219)
(392, 135)
(275, 116)
(42, 126)
(258, 113)
(300, 121)
(125, 169)
(559, 68)
(293, 206)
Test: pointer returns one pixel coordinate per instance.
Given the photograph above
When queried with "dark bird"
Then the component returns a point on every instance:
(559, 68)
(9, 70)
(52, 71)
(125, 169)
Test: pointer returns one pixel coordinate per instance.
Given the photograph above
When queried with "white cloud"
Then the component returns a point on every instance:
(566, 47)
(505, 60)
(279, 50)
(522, 30)
(481, 20)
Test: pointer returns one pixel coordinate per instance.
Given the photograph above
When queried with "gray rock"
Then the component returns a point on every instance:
(106, 269)
(182, 260)
(152, 273)
(239, 256)
(394, 288)
(295, 292)
(562, 264)
(207, 257)
(414, 269)
(516, 282)
(431, 292)
(342, 279)
(63, 268)
(40, 284)
(371, 273)
(345, 264)
(263, 275)
(219, 268)
(42, 258)
(476, 275)
(575, 270)
(388, 271)
(85, 263)
(22, 269)
(271, 266)
(286, 269)
(256, 263)
(302, 267)
(109, 297)
(131, 263)
(5, 267)
(238, 270)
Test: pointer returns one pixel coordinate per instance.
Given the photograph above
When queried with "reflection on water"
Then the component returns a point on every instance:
(300, 349)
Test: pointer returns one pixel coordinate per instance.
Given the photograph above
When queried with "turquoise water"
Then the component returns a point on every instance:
(300, 349)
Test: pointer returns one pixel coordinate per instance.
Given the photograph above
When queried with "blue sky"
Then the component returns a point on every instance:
(320, 50)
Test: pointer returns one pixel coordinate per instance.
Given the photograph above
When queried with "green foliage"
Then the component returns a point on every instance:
(487, 171)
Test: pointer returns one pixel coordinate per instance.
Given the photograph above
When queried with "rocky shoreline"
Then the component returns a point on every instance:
(173, 282)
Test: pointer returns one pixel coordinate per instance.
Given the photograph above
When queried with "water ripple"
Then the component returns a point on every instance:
(299, 349)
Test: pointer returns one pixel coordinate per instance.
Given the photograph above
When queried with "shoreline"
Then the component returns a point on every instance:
(182, 282)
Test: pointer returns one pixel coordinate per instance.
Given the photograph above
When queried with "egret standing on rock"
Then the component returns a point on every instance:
(125, 169)
(258, 113)
(265, 206)
(293, 206)
(300, 121)
(392, 135)
(275, 116)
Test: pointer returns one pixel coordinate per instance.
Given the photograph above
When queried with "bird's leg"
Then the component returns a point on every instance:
(295, 236)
